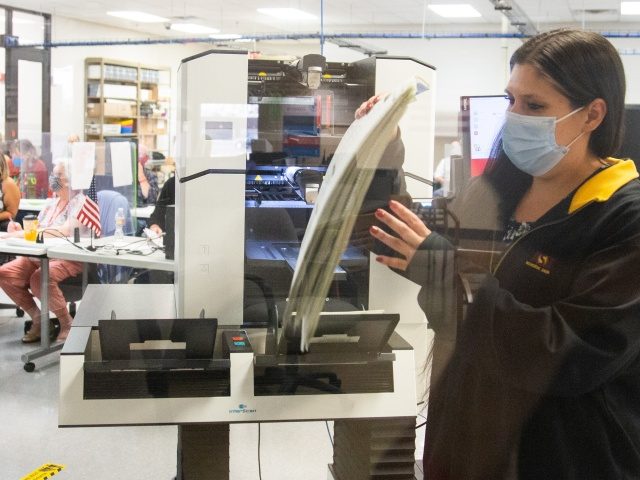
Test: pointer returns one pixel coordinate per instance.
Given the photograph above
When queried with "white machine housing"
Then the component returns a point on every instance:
(212, 118)
(210, 209)
(240, 406)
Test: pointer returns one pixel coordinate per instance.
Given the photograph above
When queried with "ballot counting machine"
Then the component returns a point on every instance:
(197, 363)
(264, 114)
(181, 371)
(203, 376)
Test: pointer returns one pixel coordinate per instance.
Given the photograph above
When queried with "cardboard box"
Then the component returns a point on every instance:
(92, 129)
(111, 129)
(111, 110)
(115, 90)
(94, 109)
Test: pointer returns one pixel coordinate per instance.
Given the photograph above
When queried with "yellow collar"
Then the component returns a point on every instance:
(601, 186)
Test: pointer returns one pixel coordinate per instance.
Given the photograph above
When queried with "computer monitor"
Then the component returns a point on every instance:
(481, 118)
(630, 147)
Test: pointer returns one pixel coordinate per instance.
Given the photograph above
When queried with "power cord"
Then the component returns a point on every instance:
(58, 234)
(259, 466)
(420, 415)
(326, 422)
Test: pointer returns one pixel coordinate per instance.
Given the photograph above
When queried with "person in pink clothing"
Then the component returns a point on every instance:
(20, 278)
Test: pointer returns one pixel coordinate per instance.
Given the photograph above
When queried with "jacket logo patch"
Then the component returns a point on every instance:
(541, 262)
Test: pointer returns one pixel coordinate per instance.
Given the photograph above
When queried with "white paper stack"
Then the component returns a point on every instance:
(339, 201)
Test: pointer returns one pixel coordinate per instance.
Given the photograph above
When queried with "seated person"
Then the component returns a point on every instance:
(157, 223)
(147, 179)
(9, 196)
(14, 169)
(20, 278)
(167, 197)
(33, 172)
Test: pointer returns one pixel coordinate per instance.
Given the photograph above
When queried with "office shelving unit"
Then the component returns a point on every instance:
(124, 99)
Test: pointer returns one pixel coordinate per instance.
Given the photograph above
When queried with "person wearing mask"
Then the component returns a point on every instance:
(544, 380)
(147, 181)
(33, 172)
(167, 197)
(20, 278)
(9, 196)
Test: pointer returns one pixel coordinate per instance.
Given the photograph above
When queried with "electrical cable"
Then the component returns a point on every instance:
(58, 234)
(421, 415)
(259, 467)
(326, 422)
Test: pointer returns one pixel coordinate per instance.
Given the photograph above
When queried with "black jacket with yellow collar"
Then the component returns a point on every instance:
(545, 379)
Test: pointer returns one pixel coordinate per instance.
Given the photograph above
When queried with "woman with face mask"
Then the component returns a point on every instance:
(20, 278)
(543, 381)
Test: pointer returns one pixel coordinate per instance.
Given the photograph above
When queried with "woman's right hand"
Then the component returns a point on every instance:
(14, 227)
(411, 233)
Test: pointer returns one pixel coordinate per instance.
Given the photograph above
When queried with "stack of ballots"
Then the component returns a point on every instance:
(341, 195)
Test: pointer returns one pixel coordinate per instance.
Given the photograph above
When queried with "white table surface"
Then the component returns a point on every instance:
(19, 246)
(116, 254)
(143, 212)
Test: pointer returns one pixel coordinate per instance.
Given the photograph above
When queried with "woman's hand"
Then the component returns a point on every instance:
(411, 233)
(13, 227)
(365, 107)
(155, 228)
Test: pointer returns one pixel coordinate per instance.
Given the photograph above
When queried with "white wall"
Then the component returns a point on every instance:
(464, 66)
(67, 68)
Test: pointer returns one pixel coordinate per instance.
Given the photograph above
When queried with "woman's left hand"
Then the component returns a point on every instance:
(411, 233)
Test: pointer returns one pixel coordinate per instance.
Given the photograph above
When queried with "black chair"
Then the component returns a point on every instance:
(109, 202)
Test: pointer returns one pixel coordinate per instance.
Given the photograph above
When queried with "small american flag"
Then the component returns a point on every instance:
(89, 214)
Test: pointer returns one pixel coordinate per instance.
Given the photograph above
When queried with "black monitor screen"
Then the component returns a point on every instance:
(630, 147)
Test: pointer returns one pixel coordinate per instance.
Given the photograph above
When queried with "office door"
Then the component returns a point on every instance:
(28, 80)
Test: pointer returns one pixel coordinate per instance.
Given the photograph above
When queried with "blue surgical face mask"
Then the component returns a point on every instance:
(530, 142)
(54, 183)
(17, 161)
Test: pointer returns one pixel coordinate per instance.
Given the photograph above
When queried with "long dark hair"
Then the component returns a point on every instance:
(583, 66)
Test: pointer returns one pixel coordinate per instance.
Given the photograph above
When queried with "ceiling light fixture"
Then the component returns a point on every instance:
(630, 8)
(287, 13)
(136, 16)
(458, 10)
(193, 28)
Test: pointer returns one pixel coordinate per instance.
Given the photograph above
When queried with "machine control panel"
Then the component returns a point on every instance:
(235, 341)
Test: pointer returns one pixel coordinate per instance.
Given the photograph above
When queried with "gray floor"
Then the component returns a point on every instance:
(30, 437)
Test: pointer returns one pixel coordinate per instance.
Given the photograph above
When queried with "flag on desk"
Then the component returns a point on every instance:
(89, 213)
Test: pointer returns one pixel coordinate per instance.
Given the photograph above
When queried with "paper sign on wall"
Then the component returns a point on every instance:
(83, 159)
(121, 163)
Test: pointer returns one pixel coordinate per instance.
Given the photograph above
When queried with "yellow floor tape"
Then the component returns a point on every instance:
(47, 470)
